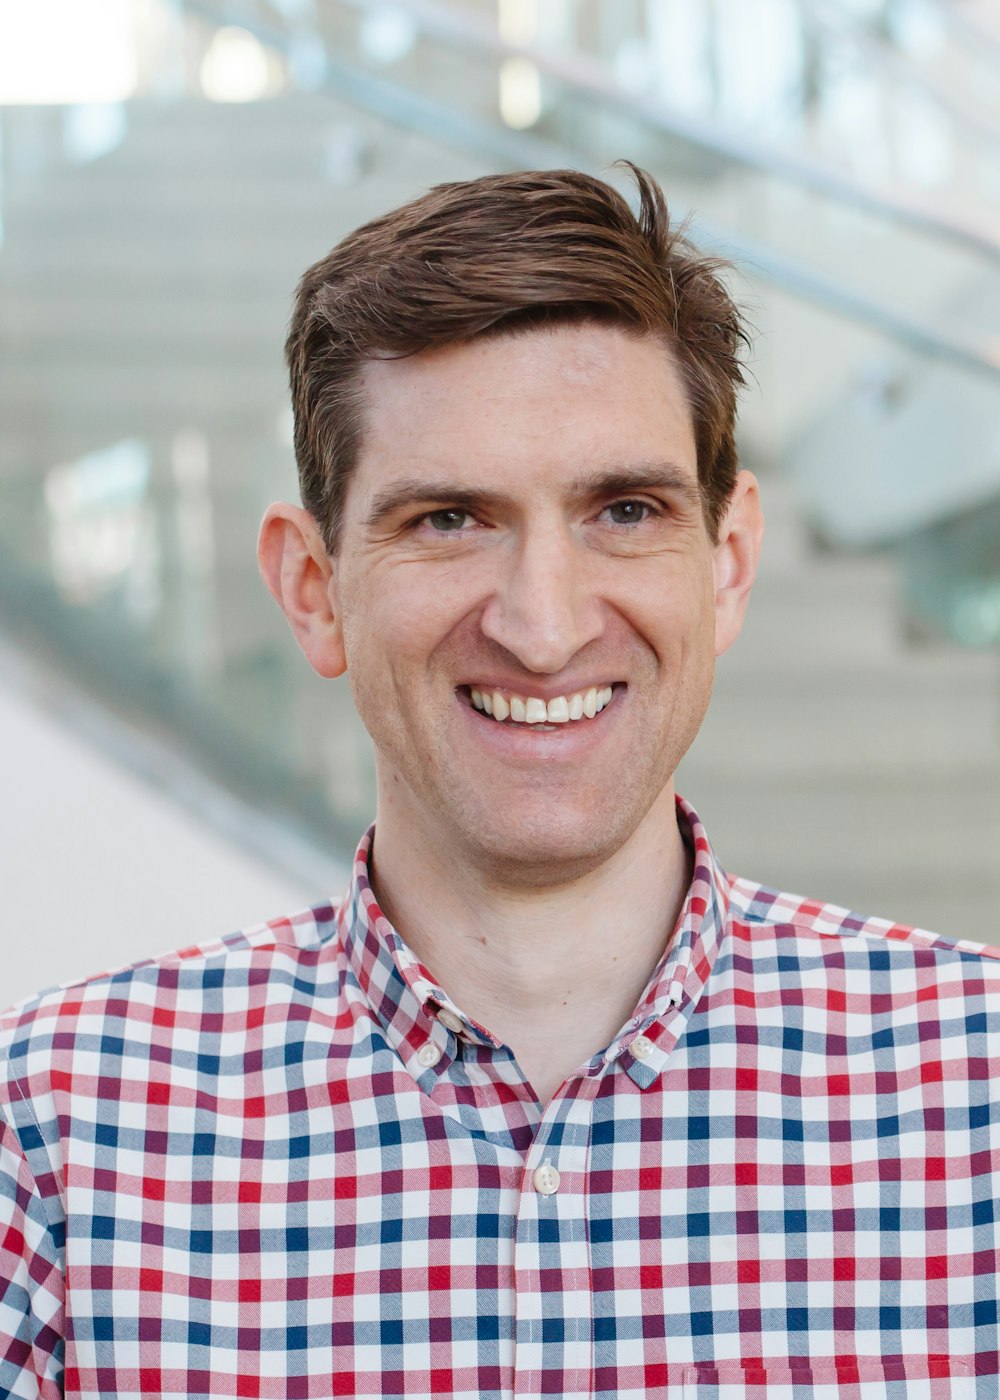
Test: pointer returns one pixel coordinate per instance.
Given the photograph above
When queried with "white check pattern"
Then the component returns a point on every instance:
(230, 1171)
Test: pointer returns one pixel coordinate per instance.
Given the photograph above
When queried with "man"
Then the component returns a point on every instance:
(549, 1105)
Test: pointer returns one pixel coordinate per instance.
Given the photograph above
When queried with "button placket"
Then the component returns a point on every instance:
(553, 1293)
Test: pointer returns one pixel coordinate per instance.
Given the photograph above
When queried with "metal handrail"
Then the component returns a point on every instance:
(590, 79)
(978, 353)
(969, 30)
(400, 106)
(825, 18)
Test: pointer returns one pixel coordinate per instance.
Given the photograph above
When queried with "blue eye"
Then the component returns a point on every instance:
(628, 512)
(447, 521)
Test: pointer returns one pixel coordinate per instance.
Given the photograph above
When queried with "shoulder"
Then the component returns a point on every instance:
(857, 997)
(147, 1011)
(761, 905)
(804, 940)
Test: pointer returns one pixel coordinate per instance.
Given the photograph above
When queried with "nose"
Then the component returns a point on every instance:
(545, 607)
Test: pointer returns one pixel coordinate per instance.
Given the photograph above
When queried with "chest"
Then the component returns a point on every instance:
(668, 1241)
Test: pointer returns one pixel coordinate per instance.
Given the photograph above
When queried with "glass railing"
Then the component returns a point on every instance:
(891, 91)
(713, 79)
(884, 288)
(951, 573)
(153, 231)
(872, 255)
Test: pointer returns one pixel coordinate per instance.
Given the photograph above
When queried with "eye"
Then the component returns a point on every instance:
(447, 521)
(628, 512)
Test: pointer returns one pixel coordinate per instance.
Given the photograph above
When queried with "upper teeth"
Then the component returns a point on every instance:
(528, 709)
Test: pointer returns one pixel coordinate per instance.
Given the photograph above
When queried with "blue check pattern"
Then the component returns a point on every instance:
(266, 1167)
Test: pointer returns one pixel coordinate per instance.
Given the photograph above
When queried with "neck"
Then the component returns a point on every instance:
(554, 971)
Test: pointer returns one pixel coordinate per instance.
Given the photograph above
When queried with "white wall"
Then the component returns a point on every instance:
(101, 866)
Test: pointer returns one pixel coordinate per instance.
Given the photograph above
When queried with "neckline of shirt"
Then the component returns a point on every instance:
(414, 1009)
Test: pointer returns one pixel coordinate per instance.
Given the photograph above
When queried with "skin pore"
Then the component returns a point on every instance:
(525, 519)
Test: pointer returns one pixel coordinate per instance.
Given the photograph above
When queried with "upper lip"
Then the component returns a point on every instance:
(534, 690)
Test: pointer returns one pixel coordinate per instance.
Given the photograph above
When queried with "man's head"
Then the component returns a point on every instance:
(496, 255)
(514, 412)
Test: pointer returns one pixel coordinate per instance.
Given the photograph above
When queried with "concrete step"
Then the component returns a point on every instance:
(845, 620)
(829, 724)
(910, 849)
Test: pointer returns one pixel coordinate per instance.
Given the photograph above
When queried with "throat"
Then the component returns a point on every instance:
(552, 972)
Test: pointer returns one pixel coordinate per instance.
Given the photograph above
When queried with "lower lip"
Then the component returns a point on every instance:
(554, 742)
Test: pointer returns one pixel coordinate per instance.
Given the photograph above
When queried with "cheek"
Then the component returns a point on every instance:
(393, 622)
(675, 616)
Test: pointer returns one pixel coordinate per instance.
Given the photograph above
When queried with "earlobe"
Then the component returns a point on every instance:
(299, 576)
(734, 563)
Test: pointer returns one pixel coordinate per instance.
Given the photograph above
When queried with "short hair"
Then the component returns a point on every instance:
(504, 254)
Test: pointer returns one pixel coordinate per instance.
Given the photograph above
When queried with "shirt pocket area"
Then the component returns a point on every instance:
(906, 1378)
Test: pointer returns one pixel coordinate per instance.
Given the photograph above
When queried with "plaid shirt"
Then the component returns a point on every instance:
(287, 1164)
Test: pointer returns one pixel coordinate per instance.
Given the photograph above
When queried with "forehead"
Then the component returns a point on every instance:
(529, 409)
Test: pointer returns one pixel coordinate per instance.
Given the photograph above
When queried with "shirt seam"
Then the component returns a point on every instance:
(915, 938)
(6, 1120)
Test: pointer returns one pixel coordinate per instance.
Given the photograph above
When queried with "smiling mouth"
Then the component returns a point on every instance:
(506, 707)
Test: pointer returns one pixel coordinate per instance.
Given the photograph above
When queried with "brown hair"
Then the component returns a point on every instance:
(501, 254)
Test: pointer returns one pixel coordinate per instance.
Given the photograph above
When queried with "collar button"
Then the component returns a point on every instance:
(641, 1048)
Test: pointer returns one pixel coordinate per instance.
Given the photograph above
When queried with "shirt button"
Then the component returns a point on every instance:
(546, 1179)
(450, 1020)
(641, 1048)
(428, 1054)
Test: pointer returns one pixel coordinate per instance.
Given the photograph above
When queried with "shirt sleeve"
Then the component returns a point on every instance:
(32, 1287)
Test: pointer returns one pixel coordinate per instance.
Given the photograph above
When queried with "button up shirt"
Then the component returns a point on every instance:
(288, 1164)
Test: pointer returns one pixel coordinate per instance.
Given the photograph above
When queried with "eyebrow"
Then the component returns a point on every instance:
(614, 481)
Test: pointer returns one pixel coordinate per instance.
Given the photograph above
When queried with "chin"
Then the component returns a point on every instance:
(544, 849)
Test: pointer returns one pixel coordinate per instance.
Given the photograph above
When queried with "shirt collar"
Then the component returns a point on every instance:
(403, 995)
(680, 978)
(411, 1006)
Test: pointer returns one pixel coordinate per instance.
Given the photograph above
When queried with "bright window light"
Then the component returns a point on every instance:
(517, 21)
(387, 34)
(64, 51)
(235, 67)
(100, 526)
(520, 93)
(977, 619)
(92, 129)
(922, 141)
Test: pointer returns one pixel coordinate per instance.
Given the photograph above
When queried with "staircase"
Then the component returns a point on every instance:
(843, 757)
(848, 754)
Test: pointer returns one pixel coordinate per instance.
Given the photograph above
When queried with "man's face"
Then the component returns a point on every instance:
(524, 522)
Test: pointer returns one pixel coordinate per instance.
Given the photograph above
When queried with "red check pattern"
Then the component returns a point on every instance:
(265, 1168)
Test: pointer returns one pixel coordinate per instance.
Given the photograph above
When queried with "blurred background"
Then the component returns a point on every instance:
(168, 168)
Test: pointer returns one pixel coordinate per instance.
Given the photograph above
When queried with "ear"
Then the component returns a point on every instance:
(302, 580)
(734, 561)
